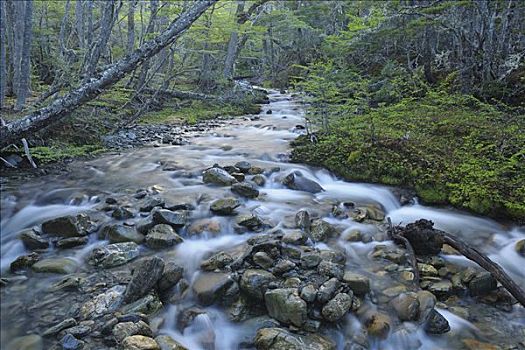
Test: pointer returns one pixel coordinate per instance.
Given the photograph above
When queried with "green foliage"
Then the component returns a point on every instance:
(43, 155)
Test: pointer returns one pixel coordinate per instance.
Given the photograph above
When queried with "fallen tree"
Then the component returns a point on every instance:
(15, 130)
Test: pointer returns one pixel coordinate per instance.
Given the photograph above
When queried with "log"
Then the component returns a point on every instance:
(185, 95)
(61, 107)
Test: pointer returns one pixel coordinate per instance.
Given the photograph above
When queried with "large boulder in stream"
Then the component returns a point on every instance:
(218, 176)
(279, 339)
(297, 181)
(209, 287)
(67, 226)
(245, 189)
(162, 236)
(286, 306)
(225, 206)
(145, 276)
(120, 233)
(254, 283)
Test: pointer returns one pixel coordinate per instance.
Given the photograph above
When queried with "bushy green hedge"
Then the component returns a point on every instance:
(451, 148)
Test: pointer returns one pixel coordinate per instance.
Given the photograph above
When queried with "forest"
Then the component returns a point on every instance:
(262, 174)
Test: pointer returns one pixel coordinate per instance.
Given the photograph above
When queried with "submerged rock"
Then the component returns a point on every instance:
(218, 176)
(210, 287)
(520, 247)
(245, 189)
(378, 325)
(27, 342)
(56, 265)
(286, 306)
(406, 306)
(281, 339)
(113, 254)
(359, 284)
(145, 276)
(225, 206)
(297, 181)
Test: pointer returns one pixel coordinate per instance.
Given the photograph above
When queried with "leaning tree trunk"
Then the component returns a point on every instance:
(94, 87)
(25, 64)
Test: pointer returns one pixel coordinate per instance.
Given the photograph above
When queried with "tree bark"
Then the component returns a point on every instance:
(131, 26)
(231, 53)
(89, 24)
(3, 62)
(94, 87)
(79, 14)
(25, 64)
(154, 5)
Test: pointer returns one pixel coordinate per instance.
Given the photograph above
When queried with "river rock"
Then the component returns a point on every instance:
(67, 323)
(424, 238)
(32, 240)
(147, 305)
(302, 220)
(520, 247)
(436, 323)
(330, 269)
(245, 189)
(139, 342)
(103, 303)
(120, 233)
(440, 289)
(176, 219)
(56, 265)
(171, 275)
(283, 266)
(27, 342)
(286, 306)
(427, 270)
(67, 226)
(122, 213)
(255, 283)
(308, 293)
(327, 290)
(250, 221)
(125, 329)
(427, 301)
(374, 212)
(69, 342)
(152, 203)
(263, 260)
(210, 225)
(406, 306)
(225, 206)
(297, 181)
(210, 287)
(72, 242)
(259, 180)
(217, 261)
(359, 284)
(218, 176)
(145, 276)
(166, 342)
(281, 339)
(24, 262)
(113, 254)
(483, 283)
(310, 260)
(243, 166)
(337, 308)
(296, 237)
(378, 325)
(162, 236)
(321, 231)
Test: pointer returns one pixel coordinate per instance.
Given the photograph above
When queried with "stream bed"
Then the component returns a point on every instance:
(213, 276)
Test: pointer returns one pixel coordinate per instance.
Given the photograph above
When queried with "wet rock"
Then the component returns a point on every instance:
(72, 242)
(255, 170)
(120, 233)
(330, 269)
(327, 290)
(176, 219)
(359, 284)
(162, 236)
(69, 342)
(166, 342)
(355, 236)
(24, 262)
(147, 305)
(123, 330)
(218, 176)
(171, 275)
(211, 225)
(56, 265)
(473, 344)
(250, 221)
(217, 261)
(281, 339)
(122, 213)
(378, 325)
(436, 323)
(520, 247)
(427, 301)
(259, 180)
(310, 260)
(337, 308)
(27, 342)
(302, 220)
(103, 303)
(145, 276)
(263, 260)
(406, 306)
(152, 203)
(225, 206)
(113, 254)
(295, 237)
(67, 323)
(297, 181)
(33, 241)
(243, 166)
(308, 293)
(67, 226)
(374, 212)
(210, 287)
(320, 231)
(441, 289)
(245, 189)
(80, 330)
(239, 176)
(283, 266)
(424, 239)
(427, 270)
(255, 283)
(482, 284)
(286, 306)
(139, 342)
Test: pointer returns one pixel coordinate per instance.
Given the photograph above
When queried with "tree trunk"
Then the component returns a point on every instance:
(88, 91)
(131, 26)
(89, 24)
(154, 5)
(18, 38)
(62, 33)
(3, 43)
(25, 64)
(231, 53)
(79, 14)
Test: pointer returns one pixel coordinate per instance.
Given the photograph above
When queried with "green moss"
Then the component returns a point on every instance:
(43, 155)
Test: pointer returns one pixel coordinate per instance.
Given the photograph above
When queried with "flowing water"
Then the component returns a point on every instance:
(263, 141)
